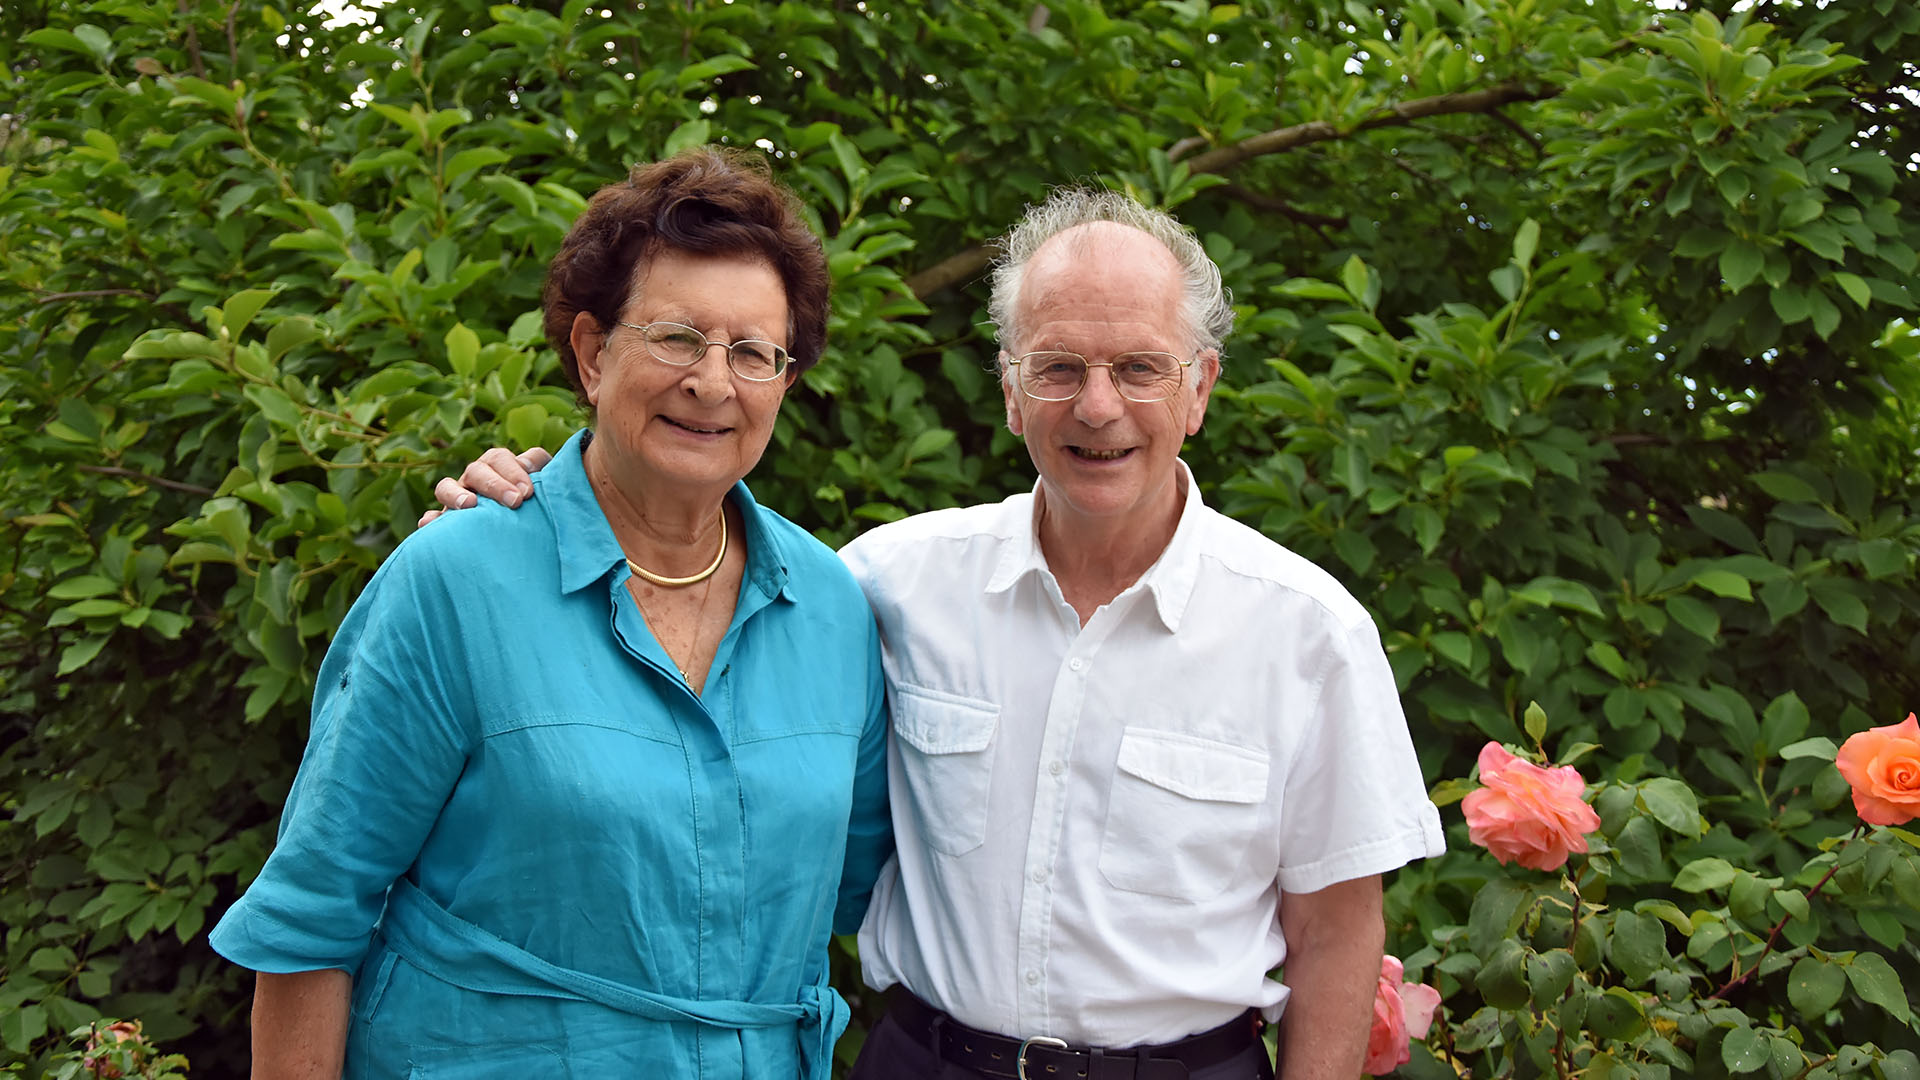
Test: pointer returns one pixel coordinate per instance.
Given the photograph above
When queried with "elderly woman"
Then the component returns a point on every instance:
(588, 788)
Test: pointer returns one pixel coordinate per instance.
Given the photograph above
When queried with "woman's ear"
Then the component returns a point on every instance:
(588, 342)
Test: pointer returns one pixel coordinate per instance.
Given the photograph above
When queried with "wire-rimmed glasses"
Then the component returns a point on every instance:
(683, 346)
(1054, 375)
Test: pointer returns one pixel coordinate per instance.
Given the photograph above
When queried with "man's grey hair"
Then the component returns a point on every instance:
(1205, 304)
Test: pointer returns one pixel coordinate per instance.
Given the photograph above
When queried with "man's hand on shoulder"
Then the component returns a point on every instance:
(499, 474)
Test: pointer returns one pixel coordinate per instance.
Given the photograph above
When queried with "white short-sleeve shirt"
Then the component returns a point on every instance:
(1095, 824)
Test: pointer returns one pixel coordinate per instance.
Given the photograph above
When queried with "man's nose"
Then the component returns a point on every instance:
(1099, 402)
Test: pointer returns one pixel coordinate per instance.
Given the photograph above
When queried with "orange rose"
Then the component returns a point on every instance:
(1882, 765)
(1527, 814)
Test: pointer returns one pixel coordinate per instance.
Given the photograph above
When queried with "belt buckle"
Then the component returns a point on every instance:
(1020, 1063)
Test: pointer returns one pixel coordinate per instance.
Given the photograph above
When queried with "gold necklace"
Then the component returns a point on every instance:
(691, 579)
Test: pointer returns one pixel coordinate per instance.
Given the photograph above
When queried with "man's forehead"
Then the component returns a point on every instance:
(1105, 274)
(1097, 241)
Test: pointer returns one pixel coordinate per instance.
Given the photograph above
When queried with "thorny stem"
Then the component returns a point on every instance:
(1774, 934)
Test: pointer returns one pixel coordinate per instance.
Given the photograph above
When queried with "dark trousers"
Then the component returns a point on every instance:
(892, 1054)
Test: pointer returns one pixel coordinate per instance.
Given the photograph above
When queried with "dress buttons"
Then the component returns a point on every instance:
(1076, 663)
(1033, 978)
(1056, 767)
(1040, 877)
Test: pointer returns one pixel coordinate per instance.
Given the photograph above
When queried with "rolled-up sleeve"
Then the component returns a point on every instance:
(389, 740)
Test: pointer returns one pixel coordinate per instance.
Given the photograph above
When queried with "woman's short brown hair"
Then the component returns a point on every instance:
(709, 201)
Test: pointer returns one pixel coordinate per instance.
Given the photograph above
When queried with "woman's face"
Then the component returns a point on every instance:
(700, 426)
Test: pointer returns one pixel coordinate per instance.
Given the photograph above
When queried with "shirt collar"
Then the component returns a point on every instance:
(1170, 578)
(585, 540)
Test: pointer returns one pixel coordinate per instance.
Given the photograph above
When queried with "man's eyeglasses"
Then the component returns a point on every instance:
(683, 346)
(1060, 376)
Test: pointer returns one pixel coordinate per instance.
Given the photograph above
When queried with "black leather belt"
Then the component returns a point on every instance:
(1041, 1058)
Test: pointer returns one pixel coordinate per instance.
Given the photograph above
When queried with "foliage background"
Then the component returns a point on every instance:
(1576, 337)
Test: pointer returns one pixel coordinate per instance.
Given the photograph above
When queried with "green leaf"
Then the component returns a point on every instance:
(1638, 945)
(1617, 1014)
(1608, 659)
(1724, 583)
(242, 306)
(1502, 980)
(1694, 614)
(1855, 288)
(1673, 804)
(1740, 263)
(20, 1027)
(929, 442)
(1548, 975)
(1875, 981)
(1525, 240)
(1492, 916)
(1817, 747)
(1815, 985)
(1745, 1050)
(85, 585)
(711, 68)
(288, 334)
(463, 350)
(79, 654)
(688, 135)
(58, 39)
(1507, 281)
(275, 405)
(1837, 598)
(526, 424)
(1535, 722)
(1786, 487)
(1701, 875)
(1357, 280)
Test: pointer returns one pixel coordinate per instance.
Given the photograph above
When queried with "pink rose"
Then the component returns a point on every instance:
(1526, 814)
(1883, 767)
(1401, 1011)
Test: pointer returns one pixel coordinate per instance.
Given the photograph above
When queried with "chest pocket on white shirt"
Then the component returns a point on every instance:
(946, 750)
(1182, 814)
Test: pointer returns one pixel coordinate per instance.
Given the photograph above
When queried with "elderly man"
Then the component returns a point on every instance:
(1142, 755)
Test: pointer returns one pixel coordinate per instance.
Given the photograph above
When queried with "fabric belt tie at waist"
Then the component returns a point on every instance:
(454, 950)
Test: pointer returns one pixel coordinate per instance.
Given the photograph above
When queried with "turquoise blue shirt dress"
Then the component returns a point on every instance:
(538, 851)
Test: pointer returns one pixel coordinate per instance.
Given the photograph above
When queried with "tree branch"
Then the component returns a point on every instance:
(963, 265)
(952, 270)
(158, 481)
(1262, 201)
(233, 42)
(1313, 131)
(54, 298)
(193, 41)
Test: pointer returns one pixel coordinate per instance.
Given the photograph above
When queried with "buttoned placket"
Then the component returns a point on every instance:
(714, 793)
(1040, 871)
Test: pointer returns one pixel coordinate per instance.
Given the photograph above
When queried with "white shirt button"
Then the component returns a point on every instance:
(1076, 663)
(1033, 978)
(1040, 876)
(1056, 767)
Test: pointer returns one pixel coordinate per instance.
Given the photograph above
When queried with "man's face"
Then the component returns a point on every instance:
(1100, 290)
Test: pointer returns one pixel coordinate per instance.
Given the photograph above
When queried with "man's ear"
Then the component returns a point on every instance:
(1209, 364)
(1014, 422)
(588, 341)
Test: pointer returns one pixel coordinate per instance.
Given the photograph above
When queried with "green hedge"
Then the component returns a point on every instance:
(1577, 338)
